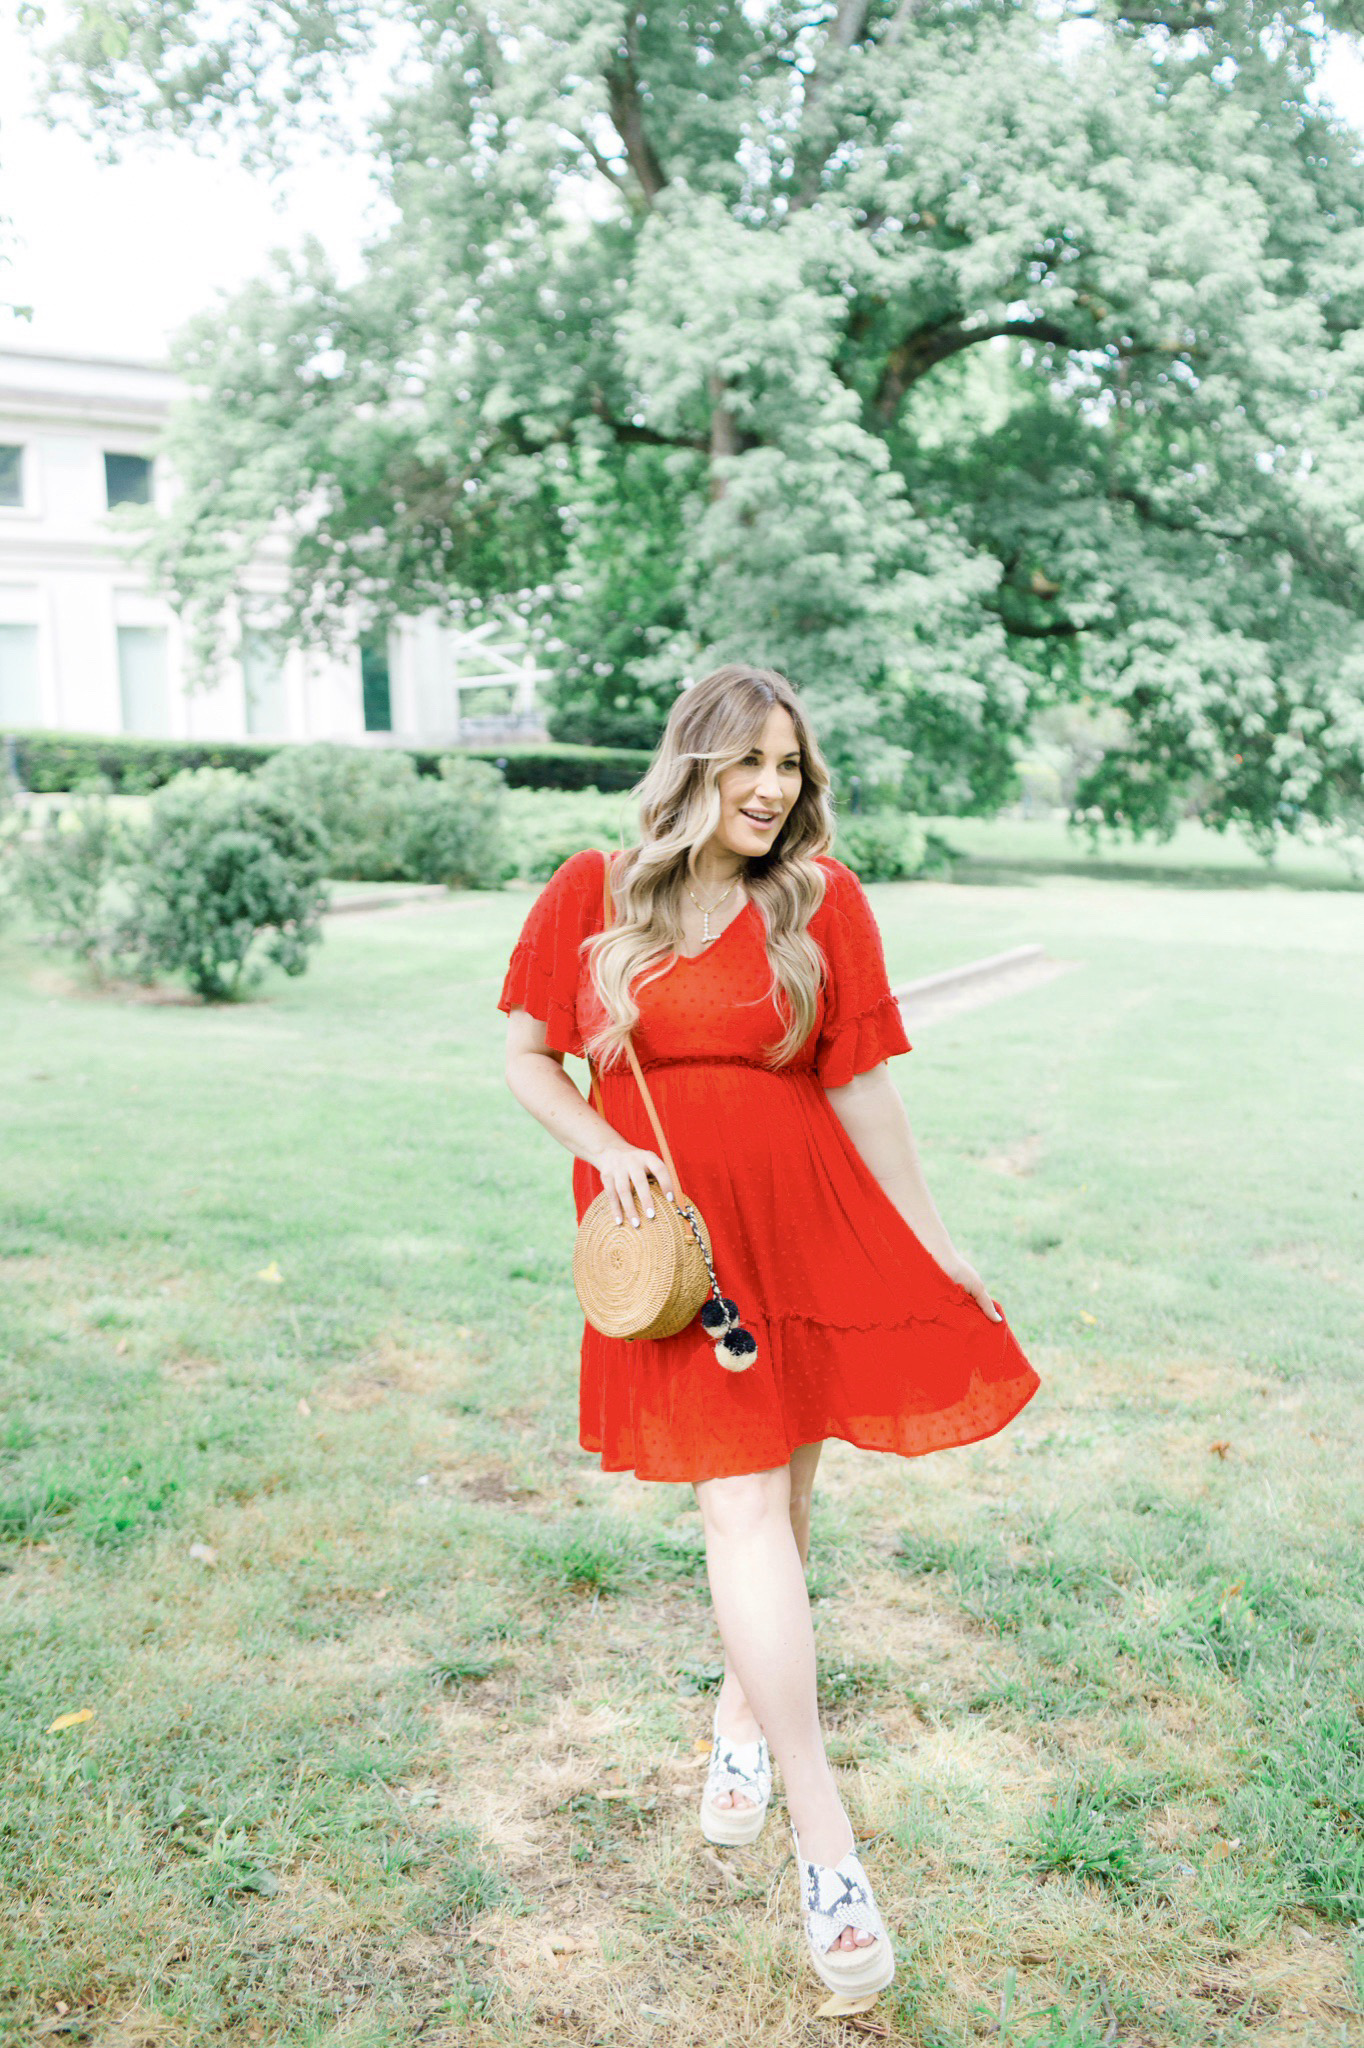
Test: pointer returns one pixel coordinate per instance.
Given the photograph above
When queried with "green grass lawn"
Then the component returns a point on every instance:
(1195, 856)
(397, 1705)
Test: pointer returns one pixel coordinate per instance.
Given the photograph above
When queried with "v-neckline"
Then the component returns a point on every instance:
(692, 959)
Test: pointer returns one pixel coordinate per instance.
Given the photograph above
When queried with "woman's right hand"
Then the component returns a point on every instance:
(625, 1171)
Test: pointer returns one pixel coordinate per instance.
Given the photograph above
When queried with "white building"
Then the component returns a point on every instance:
(87, 646)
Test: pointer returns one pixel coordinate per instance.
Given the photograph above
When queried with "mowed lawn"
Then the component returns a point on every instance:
(397, 1708)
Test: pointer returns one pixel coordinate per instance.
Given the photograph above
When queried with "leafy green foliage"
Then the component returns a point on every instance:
(359, 799)
(385, 823)
(621, 596)
(228, 866)
(850, 343)
(546, 827)
(882, 846)
(66, 877)
(453, 828)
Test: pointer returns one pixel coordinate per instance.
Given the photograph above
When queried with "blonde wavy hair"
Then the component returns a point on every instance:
(710, 728)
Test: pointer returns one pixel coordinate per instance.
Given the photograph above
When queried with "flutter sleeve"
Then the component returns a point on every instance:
(862, 1024)
(546, 961)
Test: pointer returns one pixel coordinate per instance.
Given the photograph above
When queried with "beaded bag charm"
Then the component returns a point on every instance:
(735, 1347)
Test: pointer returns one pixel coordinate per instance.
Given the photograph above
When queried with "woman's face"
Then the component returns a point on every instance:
(757, 793)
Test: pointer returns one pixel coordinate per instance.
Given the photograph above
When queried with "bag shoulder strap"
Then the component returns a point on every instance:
(630, 1053)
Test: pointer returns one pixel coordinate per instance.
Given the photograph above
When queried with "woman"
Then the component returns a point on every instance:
(744, 963)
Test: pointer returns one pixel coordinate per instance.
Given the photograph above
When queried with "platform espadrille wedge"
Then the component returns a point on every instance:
(735, 1767)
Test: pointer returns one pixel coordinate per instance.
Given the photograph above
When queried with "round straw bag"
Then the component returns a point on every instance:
(648, 1282)
(651, 1281)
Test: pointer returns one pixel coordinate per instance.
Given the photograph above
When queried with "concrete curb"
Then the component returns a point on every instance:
(396, 899)
(975, 970)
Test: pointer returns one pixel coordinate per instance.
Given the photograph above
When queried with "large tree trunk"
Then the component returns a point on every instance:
(724, 432)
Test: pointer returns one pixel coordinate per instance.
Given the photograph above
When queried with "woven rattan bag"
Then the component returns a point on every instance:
(651, 1281)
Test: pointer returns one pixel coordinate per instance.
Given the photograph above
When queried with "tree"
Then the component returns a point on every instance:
(957, 359)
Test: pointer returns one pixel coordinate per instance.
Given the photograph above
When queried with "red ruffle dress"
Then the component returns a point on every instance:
(861, 1335)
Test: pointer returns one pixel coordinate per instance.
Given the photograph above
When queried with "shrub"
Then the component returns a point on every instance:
(226, 862)
(545, 826)
(453, 827)
(65, 876)
(882, 846)
(386, 823)
(359, 797)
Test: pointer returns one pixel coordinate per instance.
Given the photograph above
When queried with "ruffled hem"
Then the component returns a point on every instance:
(528, 987)
(927, 1383)
(875, 1034)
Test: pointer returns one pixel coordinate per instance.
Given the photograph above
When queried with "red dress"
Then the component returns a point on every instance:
(861, 1335)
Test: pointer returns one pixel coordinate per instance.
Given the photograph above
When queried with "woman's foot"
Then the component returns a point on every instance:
(846, 1937)
(738, 1725)
(738, 1785)
(826, 1838)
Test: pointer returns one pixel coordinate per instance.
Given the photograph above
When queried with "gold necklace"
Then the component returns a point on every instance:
(705, 912)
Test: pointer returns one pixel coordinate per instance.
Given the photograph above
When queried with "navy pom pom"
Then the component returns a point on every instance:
(718, 1316)
(737, 1349)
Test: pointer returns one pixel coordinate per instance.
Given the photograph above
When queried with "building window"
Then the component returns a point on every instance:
(19, 695)
(127, 479)
(11, 476)
(267, 706)
(143, 680)
(374, 684)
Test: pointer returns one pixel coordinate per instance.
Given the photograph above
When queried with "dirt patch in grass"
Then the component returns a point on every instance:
(1018, 1160)
(498, 1489)
(51, 981)
(190, 1369)
(416, 1367)
(1313, 1259)
(354, 1394)
(1302, 1980)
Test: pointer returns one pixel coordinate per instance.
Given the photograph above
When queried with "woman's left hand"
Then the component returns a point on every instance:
(964, 1273)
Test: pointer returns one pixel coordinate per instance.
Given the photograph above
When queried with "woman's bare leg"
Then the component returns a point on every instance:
(737, 1719)
(804, 1464)
(757, 1582)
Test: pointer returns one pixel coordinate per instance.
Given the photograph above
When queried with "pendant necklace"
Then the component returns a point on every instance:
(705, 910)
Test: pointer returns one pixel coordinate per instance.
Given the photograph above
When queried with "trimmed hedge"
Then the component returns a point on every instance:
(564, 767)
(52, 762)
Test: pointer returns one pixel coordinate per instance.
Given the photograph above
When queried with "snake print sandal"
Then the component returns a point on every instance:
(835, 1898)
(735, 1767)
